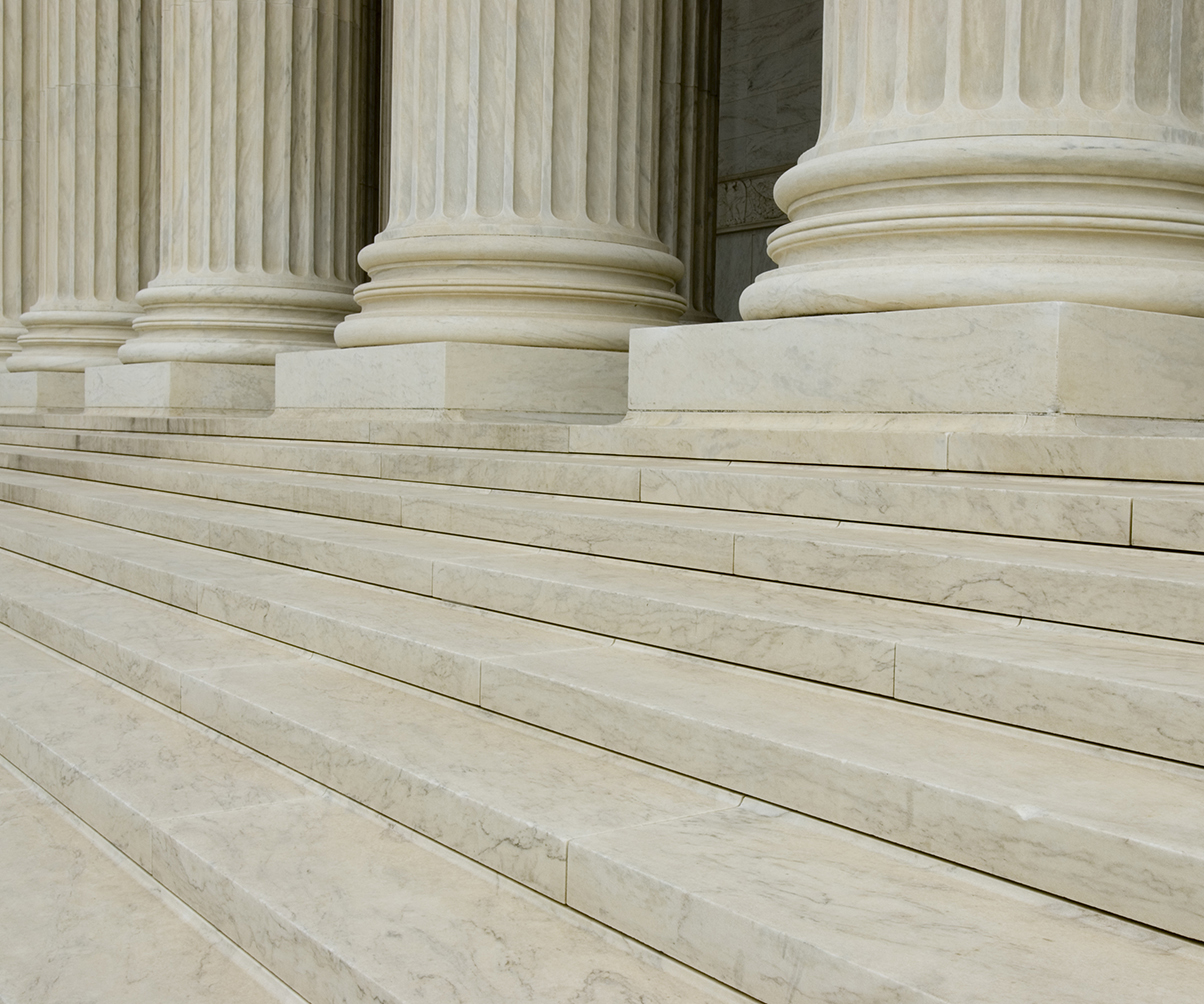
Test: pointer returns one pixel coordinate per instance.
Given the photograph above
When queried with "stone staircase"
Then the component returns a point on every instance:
(429, 721)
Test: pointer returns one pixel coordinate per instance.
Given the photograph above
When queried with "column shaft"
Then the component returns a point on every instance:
(523, 177)
(88, 185)
(980, 152)
(689, 157)
(262, 161)
(18, 139)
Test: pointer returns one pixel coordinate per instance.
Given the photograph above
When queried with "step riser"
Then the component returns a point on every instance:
(1093, 512)
(1108, 599)
(248, 866)
(1089, 687)
(1109, 870)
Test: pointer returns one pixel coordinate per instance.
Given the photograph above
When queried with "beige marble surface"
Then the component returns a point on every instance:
(923, 780)
(41, 390)
(504, 795)
(455, 375)
(82, 927)
(523, 196)
(958, 163)
(1008, 358)
(89, 189)
(180, 385)
(262, 213)
(830, 916)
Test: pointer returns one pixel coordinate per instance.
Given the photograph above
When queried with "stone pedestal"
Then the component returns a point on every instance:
(45, 389)
(1027, 358)
(174, 387)
(440, 377)
(262, 155)
(88, 185)
(522, 182)
(977, 153)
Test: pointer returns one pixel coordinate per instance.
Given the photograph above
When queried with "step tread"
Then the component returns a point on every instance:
(923, 778)
(1111, 512)
(305, 883)
(1120, 589)
(69, 942)
(789, 905)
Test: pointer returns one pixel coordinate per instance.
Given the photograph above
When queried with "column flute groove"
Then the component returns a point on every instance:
(89, 187)
(534, 244)
(1044, 165)
(259, 229)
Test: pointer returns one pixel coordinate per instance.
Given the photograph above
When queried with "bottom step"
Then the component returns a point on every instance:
(339, 903)
(80, 924)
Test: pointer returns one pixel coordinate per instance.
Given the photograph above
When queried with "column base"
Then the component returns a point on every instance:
(1021, 358)
(174, 387)
(455, 376)
(41, 390)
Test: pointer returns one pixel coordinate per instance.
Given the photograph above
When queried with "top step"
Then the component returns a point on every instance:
(1056, 445)
(1096, 511)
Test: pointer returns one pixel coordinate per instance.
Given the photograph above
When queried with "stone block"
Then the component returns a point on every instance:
(41, 390)
(179, 386)
(1042, 358)
(455, 376)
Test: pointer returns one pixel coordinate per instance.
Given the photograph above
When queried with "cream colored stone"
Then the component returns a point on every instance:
(262, 158)
(72, 938)
(787, 909)
(496, 792)
(451, 375)
(314, 913)
(1135, 693)
(89, 185)
(522, 202)
(46, 389)
(1033, 507)
(18, 151)
(87, 744)
(928, 781)
(973, 155)
(1124, 589)
(1010, 358)
(180, 385)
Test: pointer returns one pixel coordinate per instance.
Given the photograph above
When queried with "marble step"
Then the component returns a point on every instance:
(81, 924)
(1136, 693)
(931, 781)
(1074, 509)
(337, 901)
(779, 906)
(502, 793)
(1120, 589)
(1045, 445)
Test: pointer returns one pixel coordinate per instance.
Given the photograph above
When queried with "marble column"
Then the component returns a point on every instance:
(88, 186)
(18, 143)
(689, 156)
(523, 178)
(262, 160)
(990, 151)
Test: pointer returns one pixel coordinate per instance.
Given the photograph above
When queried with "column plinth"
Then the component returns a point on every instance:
(523, 177)
(976, 153)
(90, 133)
(261, 160)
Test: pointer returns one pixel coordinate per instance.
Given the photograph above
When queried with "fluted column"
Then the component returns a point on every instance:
(988, 151)
(262, 154)
(18, 142)
(689, 158)
(88, 185)
(523, 177)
